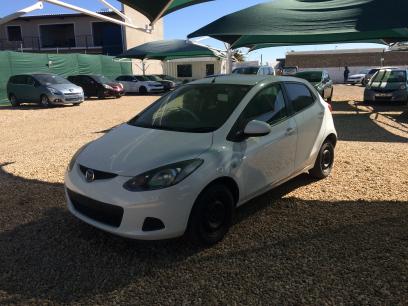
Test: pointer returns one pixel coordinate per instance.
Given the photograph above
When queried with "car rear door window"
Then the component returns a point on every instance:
(299, 96)
(267, 106)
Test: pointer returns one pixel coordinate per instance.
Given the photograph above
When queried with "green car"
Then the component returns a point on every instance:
(388, 85)
(320, 80)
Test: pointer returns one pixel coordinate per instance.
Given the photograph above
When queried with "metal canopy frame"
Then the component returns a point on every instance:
(127, 23)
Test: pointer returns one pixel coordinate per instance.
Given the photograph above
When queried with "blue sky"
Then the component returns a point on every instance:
(183, 22)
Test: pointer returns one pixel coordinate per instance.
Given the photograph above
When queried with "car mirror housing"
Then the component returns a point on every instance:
(256, 128)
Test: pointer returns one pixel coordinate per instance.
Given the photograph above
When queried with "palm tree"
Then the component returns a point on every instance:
(239, 56)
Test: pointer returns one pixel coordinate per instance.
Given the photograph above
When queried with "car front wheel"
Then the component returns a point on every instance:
(211, 216)
(13, 100)
(324, 162)
(44, 101)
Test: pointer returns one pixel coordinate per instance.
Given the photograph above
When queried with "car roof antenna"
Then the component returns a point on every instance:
(213, 80)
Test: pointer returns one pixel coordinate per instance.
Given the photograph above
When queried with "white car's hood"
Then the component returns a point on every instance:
(129, 151)
(153, 83)
(354, 76)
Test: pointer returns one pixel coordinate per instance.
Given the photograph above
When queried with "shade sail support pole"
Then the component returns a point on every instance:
(114, 9)
(96, 15)
(162, 13)
(38, 6)
(229, 58)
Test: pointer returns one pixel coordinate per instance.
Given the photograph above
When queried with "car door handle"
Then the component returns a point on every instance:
(290, 131)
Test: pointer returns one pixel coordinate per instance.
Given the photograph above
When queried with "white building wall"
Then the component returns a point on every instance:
(198, 67)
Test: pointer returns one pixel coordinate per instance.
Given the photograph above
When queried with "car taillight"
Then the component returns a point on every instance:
(330, 107)
(121, 85)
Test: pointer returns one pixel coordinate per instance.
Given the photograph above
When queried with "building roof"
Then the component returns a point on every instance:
(338, 51)
(63, 15)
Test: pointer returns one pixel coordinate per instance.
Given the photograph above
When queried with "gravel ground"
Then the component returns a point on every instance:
(340, 240)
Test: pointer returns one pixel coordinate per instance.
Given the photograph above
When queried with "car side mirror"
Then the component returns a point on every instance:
(256, 128)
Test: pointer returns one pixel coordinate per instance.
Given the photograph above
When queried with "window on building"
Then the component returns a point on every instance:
(14, 33)
(209, 69)
(57, 36)
(300, 96)
(184, 71)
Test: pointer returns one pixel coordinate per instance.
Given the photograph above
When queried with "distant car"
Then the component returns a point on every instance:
(371, 73)
(387, 85)
(357, 78)
(167, 84)
(97, 86)
(321, 80)
(44, 89)
(139, 84)
(255, 70)
(290, 71)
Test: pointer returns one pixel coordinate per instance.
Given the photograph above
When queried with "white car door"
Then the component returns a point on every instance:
(308, 114)
(124, 80)
(268, 159)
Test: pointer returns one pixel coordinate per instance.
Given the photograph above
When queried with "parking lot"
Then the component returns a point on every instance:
(340, 240)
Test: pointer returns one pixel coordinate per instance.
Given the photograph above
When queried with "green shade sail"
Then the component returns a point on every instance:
(167, 49)
(297, 22)
(154, 9)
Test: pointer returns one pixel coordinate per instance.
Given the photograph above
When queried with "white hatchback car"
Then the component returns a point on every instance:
(186, 162)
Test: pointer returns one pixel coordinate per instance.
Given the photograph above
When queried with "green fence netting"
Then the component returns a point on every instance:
(12, 63)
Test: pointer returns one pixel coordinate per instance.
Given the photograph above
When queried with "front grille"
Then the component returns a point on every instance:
(72, 93)
(102, 212)
(383, 90)
(98, 175)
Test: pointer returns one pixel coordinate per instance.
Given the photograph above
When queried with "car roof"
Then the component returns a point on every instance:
(242, 79)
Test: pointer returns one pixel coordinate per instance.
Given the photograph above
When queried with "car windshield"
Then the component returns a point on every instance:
(142, 78)
(101, 79)
(390, 76)
(168, 77)
(246, 70)
(200, 108)
(153, 78)
(365, 71)
(50, 79)
(311, 76)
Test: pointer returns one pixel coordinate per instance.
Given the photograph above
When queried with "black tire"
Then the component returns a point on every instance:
(324, 162)
(77, 104)
(13, 100)
(44, 101)
(118, 96)
(211, 216)
(142, 90)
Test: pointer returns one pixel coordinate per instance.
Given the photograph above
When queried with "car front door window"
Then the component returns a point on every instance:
(269, 158)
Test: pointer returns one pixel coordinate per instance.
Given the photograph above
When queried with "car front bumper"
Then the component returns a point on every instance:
(172, 206)
(397, 96)
(155, 89)
(66, 99)
(354, 81)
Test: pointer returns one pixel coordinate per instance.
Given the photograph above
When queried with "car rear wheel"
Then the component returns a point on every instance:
(324, 162)
(211, 216)
(44, 101)
(143, 90)
(13, 100)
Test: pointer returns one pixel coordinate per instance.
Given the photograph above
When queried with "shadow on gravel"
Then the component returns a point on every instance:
(359, 125)
(52, 256)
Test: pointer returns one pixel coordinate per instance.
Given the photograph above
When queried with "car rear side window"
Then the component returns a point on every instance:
(267, 106)
(299, 96)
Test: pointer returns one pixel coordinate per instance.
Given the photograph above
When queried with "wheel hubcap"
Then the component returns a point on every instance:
(326, 159)
(215, 216)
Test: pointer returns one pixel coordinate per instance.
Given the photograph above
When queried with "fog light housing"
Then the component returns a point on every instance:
(152, 224)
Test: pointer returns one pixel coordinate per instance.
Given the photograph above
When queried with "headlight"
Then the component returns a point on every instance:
(163, 177)
(54, 91)
(107, 86)
(74, 158)
(403, 87)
